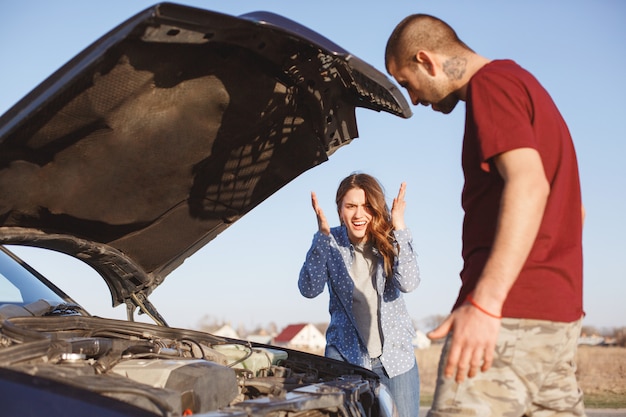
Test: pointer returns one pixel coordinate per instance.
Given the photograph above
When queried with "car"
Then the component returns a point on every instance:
(130, 158)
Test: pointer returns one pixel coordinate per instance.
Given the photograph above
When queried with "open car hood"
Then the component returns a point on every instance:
(168, 129)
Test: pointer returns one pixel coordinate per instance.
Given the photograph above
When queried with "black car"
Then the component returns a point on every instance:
(131, 157)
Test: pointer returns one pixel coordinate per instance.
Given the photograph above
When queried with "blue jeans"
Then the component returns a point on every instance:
(404, 388)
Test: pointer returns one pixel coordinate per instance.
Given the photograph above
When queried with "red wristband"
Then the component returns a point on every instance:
(475, 304)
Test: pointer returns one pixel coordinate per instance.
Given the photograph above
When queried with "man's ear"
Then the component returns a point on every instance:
(426, 59)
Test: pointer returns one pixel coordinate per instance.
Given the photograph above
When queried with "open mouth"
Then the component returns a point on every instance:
(359, 224)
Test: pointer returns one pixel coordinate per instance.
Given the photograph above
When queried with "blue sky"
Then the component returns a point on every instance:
(248, 275)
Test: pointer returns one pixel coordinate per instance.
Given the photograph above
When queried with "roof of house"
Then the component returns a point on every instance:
(289, 332)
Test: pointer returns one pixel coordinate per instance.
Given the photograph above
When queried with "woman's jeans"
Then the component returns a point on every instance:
(404, 388)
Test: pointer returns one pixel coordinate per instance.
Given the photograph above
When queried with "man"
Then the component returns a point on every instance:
(512, 334)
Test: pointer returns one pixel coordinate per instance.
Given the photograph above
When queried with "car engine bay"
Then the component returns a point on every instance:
(175, 372)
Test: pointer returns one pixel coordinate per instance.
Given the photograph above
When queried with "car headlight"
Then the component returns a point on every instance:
(387, 406)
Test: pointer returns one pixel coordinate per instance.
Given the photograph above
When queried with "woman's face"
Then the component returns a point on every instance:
(355, 213)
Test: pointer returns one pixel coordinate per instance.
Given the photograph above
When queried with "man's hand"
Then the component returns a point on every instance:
(322, 223)
(473, 343)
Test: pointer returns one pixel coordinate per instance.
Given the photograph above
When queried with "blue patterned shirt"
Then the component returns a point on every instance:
(328, 262)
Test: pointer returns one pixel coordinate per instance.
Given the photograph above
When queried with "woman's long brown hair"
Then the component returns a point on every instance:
(380, 230)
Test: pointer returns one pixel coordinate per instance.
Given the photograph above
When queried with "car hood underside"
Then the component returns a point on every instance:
(167, 130)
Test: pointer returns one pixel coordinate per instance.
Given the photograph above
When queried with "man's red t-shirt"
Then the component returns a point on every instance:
(507, 109)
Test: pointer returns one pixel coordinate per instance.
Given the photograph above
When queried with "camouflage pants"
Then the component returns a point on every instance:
(533, 374)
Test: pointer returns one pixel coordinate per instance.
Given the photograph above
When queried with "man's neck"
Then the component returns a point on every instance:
(474, 63)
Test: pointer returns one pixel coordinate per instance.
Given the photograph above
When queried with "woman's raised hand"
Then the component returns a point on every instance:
(397, 209)
(322, 223)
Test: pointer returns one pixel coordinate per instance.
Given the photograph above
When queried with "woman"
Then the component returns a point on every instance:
(367, 262)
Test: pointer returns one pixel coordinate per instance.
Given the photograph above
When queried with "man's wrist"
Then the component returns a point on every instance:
(469, 299)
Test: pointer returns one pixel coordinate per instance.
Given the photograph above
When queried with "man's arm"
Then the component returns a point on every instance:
(523, 202)
(524, 197)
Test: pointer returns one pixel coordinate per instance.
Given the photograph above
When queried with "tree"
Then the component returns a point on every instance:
(589, 331)
(620, 336)
(432, 322)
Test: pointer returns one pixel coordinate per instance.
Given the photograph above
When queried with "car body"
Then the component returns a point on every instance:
(131, 157)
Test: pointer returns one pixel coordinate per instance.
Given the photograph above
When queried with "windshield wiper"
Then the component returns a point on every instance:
(41, 308)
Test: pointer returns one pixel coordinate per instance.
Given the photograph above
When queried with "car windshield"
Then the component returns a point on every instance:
(20, 286)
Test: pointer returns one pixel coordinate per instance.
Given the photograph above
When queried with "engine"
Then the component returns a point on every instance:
(176, 372)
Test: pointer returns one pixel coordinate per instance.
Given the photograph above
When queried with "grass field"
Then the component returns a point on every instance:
(601, 374)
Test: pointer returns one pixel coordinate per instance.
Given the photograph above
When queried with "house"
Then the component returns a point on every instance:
(226, 331)
(265, 339)
(302, 337)
(262, 336)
